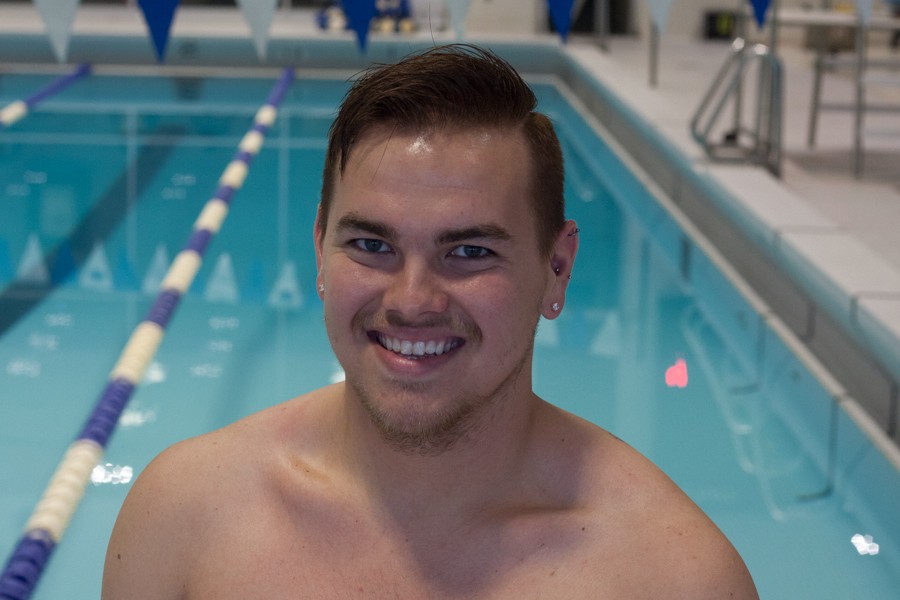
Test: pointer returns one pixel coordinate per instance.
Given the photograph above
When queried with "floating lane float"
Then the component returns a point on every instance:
(54, 511)
(19, 109)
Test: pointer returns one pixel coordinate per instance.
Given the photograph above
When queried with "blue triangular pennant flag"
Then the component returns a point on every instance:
(159, 15)
(359, 14)
(561, 15)
(759, 11)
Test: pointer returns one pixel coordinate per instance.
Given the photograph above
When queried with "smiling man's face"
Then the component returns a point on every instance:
(434, 281)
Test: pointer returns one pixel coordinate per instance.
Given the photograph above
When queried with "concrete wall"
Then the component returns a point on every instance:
(506, 16)
(494, 16)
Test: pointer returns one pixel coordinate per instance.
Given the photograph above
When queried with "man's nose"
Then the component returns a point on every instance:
(415, 289)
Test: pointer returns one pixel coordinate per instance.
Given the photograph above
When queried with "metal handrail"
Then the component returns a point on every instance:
(764, 139)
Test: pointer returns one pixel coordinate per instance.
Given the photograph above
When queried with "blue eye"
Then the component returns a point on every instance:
(372, 246)
(470, 252)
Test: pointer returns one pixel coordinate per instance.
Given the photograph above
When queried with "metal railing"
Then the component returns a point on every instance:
(761, 141)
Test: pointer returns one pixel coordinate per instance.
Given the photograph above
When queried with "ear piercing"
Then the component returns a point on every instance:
(574, 232)
(557, 270)
(321, 288)
(555, 307)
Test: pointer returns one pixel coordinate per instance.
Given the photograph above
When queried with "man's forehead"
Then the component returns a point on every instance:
(426, 139)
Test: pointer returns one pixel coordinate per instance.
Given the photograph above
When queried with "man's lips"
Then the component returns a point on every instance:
(417, 348)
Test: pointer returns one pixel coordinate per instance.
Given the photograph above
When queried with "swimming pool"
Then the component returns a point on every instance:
(103, 186)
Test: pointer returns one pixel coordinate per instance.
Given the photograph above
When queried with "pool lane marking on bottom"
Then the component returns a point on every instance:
(57, 505)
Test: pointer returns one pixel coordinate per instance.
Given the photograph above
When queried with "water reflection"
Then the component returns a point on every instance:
(864, 544)
(111, 474)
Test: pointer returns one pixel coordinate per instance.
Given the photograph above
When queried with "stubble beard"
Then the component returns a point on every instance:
(412, 431)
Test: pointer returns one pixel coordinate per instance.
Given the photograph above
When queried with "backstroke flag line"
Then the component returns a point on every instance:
(58, 16)
(159, 15)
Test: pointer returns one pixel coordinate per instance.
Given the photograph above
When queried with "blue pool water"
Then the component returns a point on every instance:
(99, 190)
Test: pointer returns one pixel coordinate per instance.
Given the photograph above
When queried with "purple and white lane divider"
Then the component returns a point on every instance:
(19, 109)
(53, 512)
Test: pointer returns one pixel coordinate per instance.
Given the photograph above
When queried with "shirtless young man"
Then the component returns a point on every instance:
(434, 471)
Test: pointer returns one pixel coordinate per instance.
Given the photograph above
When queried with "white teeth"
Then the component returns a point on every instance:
(409, 348)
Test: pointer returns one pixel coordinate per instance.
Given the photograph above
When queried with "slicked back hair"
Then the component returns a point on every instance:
(450, 89)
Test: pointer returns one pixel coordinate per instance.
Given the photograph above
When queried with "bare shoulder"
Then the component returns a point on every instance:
(150, 541)
(665, 545)
(180, 500)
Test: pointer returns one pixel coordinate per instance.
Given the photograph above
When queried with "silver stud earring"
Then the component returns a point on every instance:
(321, 288)
(555, 307)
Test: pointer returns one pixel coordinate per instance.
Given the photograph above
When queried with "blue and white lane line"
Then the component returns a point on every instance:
(19, 109)
(53, 512)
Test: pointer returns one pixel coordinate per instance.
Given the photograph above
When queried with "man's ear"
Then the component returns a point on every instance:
(318, 235)
(318, 241)
(562, 260)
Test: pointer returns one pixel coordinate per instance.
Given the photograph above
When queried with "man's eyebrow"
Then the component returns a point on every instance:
(359, 223)
(487, 231)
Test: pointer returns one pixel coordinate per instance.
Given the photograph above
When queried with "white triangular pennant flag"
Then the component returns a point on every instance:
(32, 268)
(222, 286)
(58, 16)
(286, 291)
(259, 15)
(458, 10)
(659, 12)
(864, 9)
(96, 275)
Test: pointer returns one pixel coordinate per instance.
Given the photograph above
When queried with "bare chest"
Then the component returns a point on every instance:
(279, 561)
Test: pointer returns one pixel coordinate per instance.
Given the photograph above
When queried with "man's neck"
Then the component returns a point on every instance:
(482, 468)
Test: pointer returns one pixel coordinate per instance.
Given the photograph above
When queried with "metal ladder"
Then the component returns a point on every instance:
(760, 143)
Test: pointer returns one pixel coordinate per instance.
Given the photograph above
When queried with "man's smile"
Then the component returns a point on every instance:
(418, 348)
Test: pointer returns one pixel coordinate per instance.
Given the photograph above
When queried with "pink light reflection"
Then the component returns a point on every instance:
(677, 374)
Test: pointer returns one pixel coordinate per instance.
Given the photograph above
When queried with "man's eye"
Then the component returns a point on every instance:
(373, 246)
(470, 252)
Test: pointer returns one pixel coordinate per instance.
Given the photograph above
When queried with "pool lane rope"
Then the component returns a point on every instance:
(15, 111)
(53, 512)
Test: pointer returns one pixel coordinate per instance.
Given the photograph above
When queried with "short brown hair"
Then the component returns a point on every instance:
(453, 88)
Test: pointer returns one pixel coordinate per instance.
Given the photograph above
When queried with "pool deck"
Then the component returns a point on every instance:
(817, 213)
